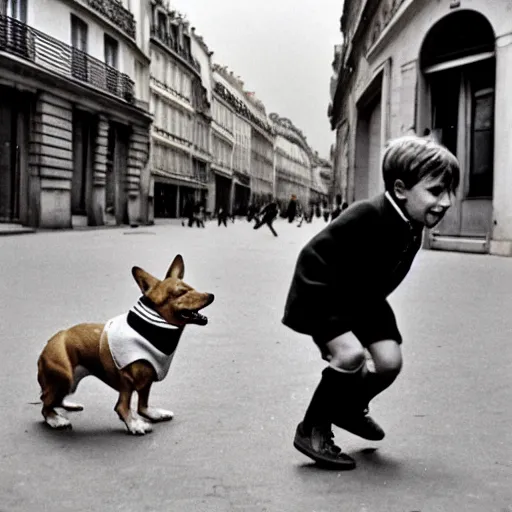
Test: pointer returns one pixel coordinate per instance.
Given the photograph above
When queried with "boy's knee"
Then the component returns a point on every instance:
(345, 352)
(387, 357)
(348, 359)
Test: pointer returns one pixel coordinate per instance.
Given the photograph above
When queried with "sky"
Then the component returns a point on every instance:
(282, 50)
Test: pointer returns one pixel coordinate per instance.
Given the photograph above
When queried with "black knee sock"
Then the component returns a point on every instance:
(337, 391)
(375, 383)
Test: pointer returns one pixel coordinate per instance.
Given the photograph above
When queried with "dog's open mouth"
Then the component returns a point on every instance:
(193, 317)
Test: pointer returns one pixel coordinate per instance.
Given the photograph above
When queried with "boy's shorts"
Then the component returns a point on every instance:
(377, 323)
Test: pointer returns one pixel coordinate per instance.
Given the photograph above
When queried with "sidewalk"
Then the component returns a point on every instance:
(14, 229)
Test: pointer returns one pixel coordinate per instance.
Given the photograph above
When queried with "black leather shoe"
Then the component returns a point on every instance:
(361, 425)
(320, 447)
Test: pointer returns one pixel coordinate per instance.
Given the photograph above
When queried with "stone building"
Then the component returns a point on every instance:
(442, 68)
(249, 144)
(293, 162)
(223, 142)
(241, 161)
(74, 121)
(262, 151)
(181, 110)
(321, 181)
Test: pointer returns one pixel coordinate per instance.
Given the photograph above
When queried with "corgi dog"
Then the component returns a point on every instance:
(128, 353)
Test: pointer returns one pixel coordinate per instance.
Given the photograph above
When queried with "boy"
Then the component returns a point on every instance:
(339, 289)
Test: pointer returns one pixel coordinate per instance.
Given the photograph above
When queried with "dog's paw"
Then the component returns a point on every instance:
(138, 426)
(155, 414)
(57, 421)
(71, 406)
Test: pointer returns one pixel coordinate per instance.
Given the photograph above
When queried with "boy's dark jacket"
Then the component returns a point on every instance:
(356, 261)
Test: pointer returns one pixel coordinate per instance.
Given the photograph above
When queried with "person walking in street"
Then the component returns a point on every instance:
(326, 211)
(339, 289)
(222, 217)
(252, 212)
(337, 209)
(188, 213)
(267, 216)
(291, 211)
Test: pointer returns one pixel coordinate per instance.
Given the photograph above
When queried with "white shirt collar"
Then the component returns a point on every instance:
(396, 207)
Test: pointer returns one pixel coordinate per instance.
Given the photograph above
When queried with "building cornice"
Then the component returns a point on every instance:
(240, 107)
(154, 39)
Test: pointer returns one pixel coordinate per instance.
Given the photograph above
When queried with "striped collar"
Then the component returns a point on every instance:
(153, 327)
(150, 316)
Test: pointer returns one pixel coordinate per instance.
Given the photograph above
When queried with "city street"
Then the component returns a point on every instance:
(239, 386)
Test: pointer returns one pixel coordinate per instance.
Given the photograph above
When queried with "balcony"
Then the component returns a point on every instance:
(55, 56)
(114, 11)
(163, 38)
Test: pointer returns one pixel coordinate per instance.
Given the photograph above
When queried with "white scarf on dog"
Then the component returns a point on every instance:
(142, 334)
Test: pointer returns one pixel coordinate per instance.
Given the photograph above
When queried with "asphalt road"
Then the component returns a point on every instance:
(239, 385)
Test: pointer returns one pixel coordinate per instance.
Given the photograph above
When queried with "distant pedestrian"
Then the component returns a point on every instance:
(326, 211)
(291, 210)
(188, 213)
(252, 211)
(339, 289)
(222, 217)
(267, 216)
(338, 208)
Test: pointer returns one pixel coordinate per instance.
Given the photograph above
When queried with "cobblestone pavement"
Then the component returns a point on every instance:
(239, 385)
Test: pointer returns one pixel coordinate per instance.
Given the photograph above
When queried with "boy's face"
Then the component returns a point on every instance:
(426, 202)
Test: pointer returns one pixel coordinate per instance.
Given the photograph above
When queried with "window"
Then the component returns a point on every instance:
(79, 52)
(162, 26)
(16, 9)
(111, 51)
(110, 46)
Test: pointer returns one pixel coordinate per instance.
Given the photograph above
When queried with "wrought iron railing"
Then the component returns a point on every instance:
(170, 42)
(116, 13)
(39, 48)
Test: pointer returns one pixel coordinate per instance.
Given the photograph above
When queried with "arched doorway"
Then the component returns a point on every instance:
(457, 60)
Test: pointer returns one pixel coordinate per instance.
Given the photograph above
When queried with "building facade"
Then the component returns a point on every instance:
(293, 162)
(231, 88)
(179, 104)
(223, 143)
(321, 181)
(74, 120)
(262, 151)
(438, 68)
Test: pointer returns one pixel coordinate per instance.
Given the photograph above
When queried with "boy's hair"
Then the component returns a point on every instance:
(411, 159)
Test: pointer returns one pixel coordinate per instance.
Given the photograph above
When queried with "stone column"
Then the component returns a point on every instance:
(137, 175)
(501, 242)
(51, 158)
(211, 192)
(99, 178)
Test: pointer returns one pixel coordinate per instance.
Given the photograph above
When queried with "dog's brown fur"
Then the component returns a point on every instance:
(83, 349)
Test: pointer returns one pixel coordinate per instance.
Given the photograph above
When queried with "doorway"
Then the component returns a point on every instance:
(116, 206)
(367, 173)
(459, 70)
(9, 158)
(84, 128)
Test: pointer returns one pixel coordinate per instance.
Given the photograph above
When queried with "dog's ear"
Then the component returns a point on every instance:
(144, 280)
(177, 268)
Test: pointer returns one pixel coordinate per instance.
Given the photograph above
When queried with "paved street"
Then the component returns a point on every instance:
(239, 386)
